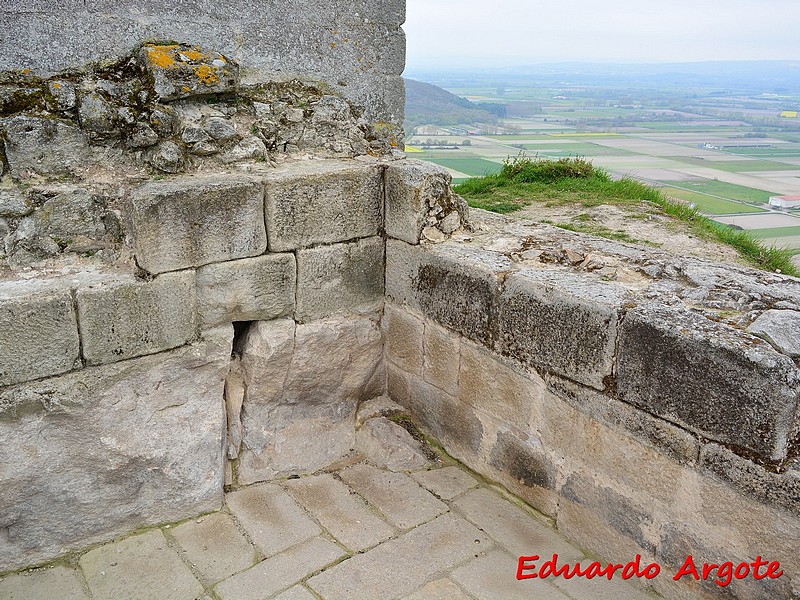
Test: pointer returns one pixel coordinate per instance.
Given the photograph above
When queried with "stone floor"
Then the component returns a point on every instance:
(357, 533)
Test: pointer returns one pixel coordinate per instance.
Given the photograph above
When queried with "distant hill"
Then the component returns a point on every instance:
(427, 104)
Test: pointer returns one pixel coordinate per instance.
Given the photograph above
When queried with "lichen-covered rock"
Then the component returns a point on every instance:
(13, 204)
(182, 71)
(219, 129)
(43, 146)
(142, 136)
(63, 95)
(249, 148)
(168, 157)
(97, 115)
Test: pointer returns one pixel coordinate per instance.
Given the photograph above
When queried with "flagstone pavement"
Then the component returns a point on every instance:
(356, 533)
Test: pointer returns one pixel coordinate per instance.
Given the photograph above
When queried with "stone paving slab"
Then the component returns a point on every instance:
(142, 567)
(280, 571)
(398, 567)
(516, 530)
(271, 518)
(298, 592)
(404, 503)
(214, 547)
(441, 589)
(340, 511)
(446, 483)
(53, 582)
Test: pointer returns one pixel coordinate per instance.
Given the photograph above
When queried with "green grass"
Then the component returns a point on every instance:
(725, 190)
(472, 166)
(523, 181)
(709, 204)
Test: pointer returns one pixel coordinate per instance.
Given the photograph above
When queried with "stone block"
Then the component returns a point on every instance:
(78, 444)
(442, 358)
(404, 338)
(452, 423)
(561, 323)
(142, 566)
(322, 202)
(343, 514)
(710, 378)
(781, 328)
(773, 489)
(126, 317)
(491, 576)
(251, 289)
(39, 146)
(398, 497)
(197, 220)
(214, 547)
(340, 278)
(303, 390)
(182, 71)
(388, 446)
(398, 567)
(489, 385)
(456, 286)
(418, 195)
(38, 332)
(269, 516)
(620, 513)
(671, 441)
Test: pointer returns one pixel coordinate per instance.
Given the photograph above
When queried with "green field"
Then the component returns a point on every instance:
(576, 149)
(765, 152)
(774, 232)
(725, 190)
(709, 204)
(736, 166)
(473, 166)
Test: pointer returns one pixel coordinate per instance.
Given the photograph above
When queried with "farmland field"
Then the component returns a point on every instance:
(724, 165)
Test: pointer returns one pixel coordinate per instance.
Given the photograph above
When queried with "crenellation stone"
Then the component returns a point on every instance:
(250, 289)
(322, 202)
(126, 318)
(340, 278)
(38, 332)
(456, 286)
(719, 381)
(418, 195)
(562, 323)
(193, 221)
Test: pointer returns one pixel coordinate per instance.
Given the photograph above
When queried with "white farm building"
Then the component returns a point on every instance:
(784, 201)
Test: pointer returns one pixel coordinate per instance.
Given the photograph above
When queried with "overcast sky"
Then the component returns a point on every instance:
(515, 32)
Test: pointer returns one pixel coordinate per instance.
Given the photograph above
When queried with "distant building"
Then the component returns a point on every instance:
(784, 201)
(789, 114)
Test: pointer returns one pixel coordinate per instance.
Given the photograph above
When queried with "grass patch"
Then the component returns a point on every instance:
(774, 232)
(711, 205)
(599, 231)
(725, 190)
(523, 180)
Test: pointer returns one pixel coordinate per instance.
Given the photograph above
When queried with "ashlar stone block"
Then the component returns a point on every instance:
(38, 332)
(251, 289)
(197, 220)
(125, 318)
(322, 202)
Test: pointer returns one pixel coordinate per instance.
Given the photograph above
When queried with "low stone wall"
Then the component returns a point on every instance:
(128, 401)
(649, 404)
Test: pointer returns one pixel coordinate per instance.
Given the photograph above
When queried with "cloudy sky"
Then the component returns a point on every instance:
(455, 33)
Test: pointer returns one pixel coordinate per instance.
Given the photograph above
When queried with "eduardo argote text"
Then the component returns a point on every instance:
(529, 567)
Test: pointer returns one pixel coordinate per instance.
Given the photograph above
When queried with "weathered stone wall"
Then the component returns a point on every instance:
(649, 404)
(356, 48)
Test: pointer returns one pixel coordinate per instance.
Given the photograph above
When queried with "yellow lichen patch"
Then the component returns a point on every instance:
(185, 90)
(160, 56)
(193, 54)
(56, 86)
(333, 44)
(207, 74)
